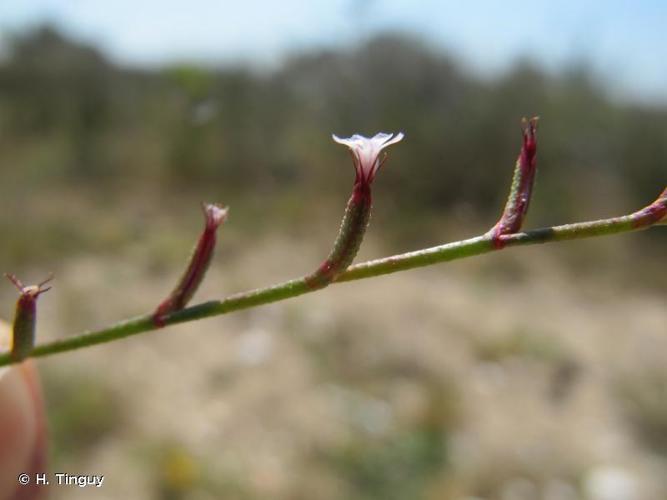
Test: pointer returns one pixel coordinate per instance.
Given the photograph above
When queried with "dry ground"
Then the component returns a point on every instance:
(451, 382)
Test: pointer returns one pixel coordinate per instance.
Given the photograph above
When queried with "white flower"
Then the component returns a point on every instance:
(366, 152)
(214, 214)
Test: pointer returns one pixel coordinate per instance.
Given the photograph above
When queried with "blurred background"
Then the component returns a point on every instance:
(536, 373)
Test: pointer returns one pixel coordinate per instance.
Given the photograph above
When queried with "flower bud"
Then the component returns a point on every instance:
(198, 263)
(521, 190)
(23, 332)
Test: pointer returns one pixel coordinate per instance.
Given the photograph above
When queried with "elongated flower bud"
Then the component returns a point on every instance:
(522, 185)
(197, 265)
(366, 158)
(23, 331)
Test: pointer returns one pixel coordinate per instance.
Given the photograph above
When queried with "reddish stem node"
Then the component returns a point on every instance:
(651, 214)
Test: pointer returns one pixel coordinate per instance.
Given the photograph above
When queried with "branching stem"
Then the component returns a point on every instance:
(644, 218)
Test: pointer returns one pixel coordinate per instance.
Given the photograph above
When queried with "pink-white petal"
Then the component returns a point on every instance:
(397, 138)
(366, 151)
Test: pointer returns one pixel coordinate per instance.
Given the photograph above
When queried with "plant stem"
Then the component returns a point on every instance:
(641, 219)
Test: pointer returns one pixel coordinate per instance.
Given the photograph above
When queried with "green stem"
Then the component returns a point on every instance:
(641, 219)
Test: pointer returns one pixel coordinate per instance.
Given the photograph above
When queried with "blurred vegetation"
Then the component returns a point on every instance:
(81, 419)
(642, 399)
(396, 469)
(95, 157)
(73, 125)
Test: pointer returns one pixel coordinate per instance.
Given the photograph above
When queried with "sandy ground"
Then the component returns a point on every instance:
(533, 384)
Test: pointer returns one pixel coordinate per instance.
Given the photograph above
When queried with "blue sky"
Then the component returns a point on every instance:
(625, 42)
